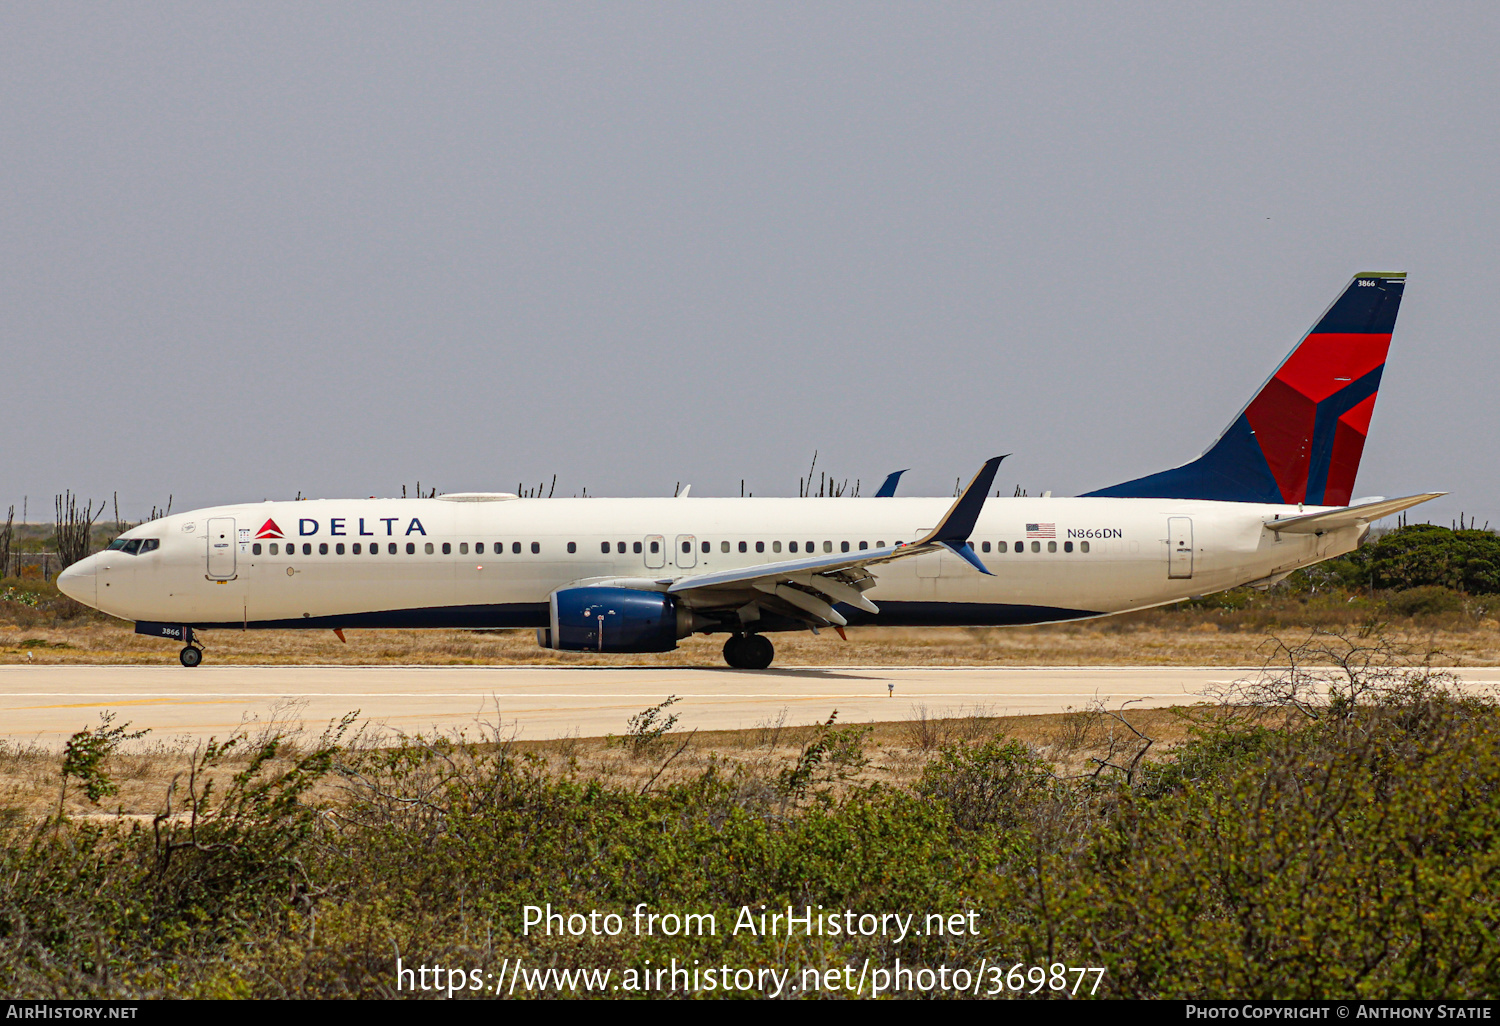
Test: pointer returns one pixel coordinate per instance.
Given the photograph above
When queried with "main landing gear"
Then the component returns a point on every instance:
(749, 651)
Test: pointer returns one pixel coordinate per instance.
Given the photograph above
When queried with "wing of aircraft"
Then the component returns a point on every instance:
(808, 589)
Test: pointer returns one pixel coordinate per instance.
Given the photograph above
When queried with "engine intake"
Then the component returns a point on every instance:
(613, 620)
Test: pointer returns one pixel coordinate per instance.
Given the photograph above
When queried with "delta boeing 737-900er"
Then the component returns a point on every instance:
(1271, 495)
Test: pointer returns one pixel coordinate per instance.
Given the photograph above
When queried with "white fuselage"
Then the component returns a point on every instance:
(218, 567)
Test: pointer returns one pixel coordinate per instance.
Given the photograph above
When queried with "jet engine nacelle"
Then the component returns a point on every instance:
(604, 619)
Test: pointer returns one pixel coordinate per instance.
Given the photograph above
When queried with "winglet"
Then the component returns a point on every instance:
(964, 513)
(953, 533)
(966, 553)
(888, 490)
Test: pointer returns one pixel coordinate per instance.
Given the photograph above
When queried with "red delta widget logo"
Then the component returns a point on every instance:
(269, 530)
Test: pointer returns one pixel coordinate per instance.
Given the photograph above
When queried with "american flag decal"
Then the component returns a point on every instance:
(1041, 530)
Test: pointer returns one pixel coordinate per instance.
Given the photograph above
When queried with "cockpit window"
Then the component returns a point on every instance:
(135, 546)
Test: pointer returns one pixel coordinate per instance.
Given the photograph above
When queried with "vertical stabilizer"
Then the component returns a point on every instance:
(1300, 438)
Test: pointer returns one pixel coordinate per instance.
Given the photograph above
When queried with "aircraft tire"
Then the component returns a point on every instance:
(757, 652)
(733, 649)
(191, 656)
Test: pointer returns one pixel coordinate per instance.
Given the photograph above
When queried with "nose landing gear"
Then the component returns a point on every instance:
(192, 652)
(749, 651)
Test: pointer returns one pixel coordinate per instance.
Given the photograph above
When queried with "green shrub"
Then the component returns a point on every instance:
(990, 783)
(1425, 600)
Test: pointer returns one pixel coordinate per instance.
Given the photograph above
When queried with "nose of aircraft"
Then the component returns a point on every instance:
(78, 581)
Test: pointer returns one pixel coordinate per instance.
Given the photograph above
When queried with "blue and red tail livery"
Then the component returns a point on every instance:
(1299, 440)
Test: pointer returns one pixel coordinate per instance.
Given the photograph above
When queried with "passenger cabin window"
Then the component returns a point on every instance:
(604, 547)
(307, 548)
(536, 547)
(515, 548)
(620, 547)
(1036, 546)
(1083, 546)
(776, 546)
(463, 548)
(479, 548)
(655, 547)
(1067, 546)
(724, 546)
(863, 546)
(356, 549)
(322, 548)
(744, 547)
(791, 546)
(572, 548)
(1020, 546)
(274, 549)
(843, 546)
(391, 548)
(760, 546)
(687, 546)
(411, 548)
(255, 549)
(999, 546)
(1052, 546)
(707, 548)
(637, 547)
(339, 548)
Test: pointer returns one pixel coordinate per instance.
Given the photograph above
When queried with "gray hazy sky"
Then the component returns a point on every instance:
(261, 248)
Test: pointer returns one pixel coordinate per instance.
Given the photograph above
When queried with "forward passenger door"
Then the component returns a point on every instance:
(221, 559)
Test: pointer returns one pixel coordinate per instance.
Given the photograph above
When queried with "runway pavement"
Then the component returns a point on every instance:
(47, 703)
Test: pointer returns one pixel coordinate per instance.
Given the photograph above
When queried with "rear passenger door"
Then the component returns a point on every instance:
(1180, 547)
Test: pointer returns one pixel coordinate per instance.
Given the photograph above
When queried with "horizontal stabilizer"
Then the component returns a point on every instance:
(1349, 516)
